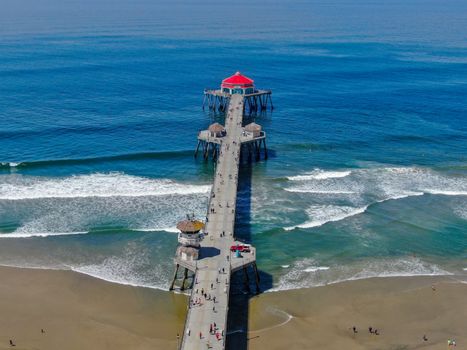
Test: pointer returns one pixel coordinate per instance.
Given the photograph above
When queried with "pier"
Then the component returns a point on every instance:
(209, 251)
(254, 99)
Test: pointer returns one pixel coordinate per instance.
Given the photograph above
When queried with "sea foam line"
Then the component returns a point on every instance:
(446, 193)
(54, 234)
(117, 281)
(320, 175)
(39, 234)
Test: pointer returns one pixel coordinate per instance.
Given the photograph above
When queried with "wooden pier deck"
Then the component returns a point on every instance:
(216, 263)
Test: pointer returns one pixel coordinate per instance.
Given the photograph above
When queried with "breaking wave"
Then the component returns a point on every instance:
(113, 202)
(9, 165)
(97, 160)
(319, 174)
(446, 193)
(38, 234)
(361, 188)
(323, 214)
(94, 185)
(383, 183)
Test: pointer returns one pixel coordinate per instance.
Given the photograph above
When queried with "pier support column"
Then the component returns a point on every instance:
(185, 275)
(270, 100)
(265, 149)
(258, 150)
(175, 277)
(247, 279)
(257, 279)
(205, 150)
(197, 148)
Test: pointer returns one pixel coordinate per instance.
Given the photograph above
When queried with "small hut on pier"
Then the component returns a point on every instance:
(253, 128)
(216, 130)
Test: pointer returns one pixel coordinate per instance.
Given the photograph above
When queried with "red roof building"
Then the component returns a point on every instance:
(238, 84)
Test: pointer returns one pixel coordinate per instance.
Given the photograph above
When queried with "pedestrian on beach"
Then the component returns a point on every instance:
(200, 335)
(11, 343)
(370, 329)
(354, 329)
(425, 338)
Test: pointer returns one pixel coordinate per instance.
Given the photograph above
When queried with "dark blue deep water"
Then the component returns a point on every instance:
(100, 103)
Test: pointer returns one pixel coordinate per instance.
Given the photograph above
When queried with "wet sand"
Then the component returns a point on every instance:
(403, 309)
(81, 312)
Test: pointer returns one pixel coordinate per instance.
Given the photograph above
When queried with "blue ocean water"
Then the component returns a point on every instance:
(100, 104)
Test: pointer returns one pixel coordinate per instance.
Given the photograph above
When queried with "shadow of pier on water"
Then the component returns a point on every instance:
(243, 289)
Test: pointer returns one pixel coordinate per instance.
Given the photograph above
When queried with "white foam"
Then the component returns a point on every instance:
(94, 185)
(316, 268)
(99, 275)
(298, 276)
(96, 274)
(39, 234)
(319, 174)
(166, 229)
(308, 190)
(10, 164)
(285, 266)
(446, 193)
(322, 214)
(385, 183)
(133, 266)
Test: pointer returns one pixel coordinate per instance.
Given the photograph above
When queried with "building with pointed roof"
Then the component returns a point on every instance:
(238, 84)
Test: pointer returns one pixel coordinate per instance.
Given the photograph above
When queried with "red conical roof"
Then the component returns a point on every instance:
(237, 79)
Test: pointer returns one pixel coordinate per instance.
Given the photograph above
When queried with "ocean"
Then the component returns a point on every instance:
(101, 102)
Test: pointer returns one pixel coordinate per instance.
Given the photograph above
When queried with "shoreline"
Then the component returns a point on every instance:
(80, 311)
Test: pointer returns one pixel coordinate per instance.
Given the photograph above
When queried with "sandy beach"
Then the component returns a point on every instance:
(80, 312)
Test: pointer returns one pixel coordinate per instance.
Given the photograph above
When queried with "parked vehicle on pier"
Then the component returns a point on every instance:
(241, 248)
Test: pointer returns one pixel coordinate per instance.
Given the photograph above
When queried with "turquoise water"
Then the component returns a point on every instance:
(100, 105)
